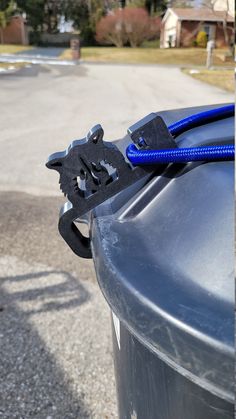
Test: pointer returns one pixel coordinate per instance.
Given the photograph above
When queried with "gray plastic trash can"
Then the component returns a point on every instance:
(163, 253)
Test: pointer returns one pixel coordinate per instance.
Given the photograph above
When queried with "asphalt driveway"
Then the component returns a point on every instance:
(43, 52)
(55, 352)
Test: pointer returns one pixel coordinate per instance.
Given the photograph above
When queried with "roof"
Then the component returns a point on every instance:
(201, 14)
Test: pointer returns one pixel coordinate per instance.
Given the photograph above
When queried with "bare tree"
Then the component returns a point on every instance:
(111, 30)
(131, 24)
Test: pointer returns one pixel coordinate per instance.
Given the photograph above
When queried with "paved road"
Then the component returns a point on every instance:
(43, 52)
(38, 55)
(55, 352)
(44, 108)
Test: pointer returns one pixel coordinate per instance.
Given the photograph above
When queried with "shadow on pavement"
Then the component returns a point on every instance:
(56, 71)
(29, 232)
(32, 384)
(70, 289)
(31, 70)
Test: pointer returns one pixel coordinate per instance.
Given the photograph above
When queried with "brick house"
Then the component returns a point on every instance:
(15, 32)
(180, 26)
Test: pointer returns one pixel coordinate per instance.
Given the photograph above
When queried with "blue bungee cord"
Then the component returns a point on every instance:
(203, 153)
(201, 118)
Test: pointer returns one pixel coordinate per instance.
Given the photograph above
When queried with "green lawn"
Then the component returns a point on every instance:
(12, 49)
(220, 78)
(174, 56)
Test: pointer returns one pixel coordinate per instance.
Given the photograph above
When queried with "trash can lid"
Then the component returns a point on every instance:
(163, 253)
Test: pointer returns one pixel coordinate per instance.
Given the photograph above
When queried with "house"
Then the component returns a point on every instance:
(62, 37)
(224, 5)
(15, 32)
(180, 26)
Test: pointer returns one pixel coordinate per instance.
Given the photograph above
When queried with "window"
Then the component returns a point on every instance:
(210, 31)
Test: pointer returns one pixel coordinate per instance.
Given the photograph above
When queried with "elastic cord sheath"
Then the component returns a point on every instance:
(200, 119)
(180, 155)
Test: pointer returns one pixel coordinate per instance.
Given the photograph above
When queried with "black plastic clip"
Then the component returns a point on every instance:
(92, 170)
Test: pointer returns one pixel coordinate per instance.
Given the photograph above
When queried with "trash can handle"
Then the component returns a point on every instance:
(78, 243)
